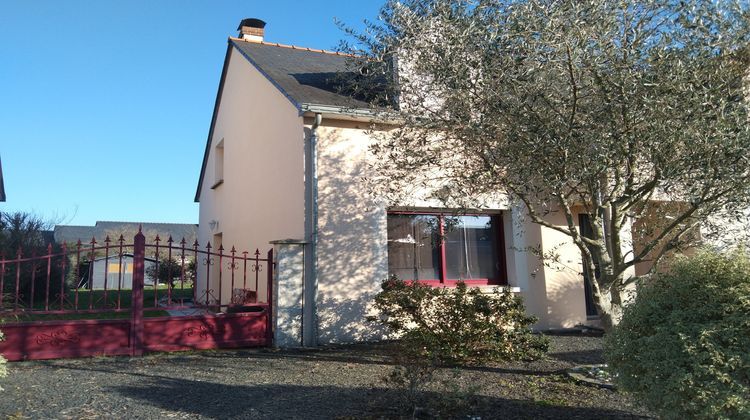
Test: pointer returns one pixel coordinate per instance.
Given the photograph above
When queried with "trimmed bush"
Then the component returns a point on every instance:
(458, 326)
(683, 345)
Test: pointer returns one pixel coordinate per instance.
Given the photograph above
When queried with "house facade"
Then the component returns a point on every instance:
(286, 159)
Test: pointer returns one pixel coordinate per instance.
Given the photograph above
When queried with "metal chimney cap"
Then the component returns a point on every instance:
(252, 22)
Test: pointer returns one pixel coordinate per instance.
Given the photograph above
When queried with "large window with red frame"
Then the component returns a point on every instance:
(443, 249)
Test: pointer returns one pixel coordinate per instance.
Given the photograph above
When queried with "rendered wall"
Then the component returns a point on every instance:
(563, 292)
(554, 291)
(262, 196)
(352, 238)
(352, 247)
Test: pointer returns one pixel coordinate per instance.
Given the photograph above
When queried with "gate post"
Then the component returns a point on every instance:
(136, 306)
(269, 288)
(288, 292)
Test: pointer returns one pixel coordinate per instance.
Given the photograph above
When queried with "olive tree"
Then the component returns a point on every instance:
(616, 109)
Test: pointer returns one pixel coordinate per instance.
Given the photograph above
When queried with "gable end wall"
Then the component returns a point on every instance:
(262, 196)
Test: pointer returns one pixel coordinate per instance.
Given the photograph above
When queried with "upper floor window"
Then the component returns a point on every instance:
(443, 249)
(218, 164)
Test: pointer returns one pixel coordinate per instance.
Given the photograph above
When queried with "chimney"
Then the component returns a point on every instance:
(251, 29)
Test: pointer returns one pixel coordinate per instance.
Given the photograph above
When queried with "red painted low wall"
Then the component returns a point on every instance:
(64, 339)
(83, 338)
(205, 331)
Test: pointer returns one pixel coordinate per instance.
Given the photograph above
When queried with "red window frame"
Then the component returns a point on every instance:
(499, 238)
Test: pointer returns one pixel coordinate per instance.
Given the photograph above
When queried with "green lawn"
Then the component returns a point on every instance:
(81, 315)
(95, 300)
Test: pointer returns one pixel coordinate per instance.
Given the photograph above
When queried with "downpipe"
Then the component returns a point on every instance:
(309, 333)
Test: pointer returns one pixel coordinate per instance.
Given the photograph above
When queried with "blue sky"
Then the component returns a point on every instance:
(105, 105)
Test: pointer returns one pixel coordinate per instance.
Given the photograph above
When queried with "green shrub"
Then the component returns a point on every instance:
(683, 345)
(24, 232)
(169, 270)
(458, 326)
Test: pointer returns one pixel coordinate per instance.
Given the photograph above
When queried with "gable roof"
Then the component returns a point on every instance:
(306, 76)
(309, 78)
(2, 186)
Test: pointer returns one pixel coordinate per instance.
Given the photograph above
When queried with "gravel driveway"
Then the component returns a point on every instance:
(338, 382)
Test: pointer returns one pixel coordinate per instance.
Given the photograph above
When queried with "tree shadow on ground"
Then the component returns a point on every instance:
(219, 400)
(361, 354)
(223, 384)
(369, 353)
(579, 357)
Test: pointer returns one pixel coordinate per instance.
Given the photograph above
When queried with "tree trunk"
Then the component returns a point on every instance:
(609, 304)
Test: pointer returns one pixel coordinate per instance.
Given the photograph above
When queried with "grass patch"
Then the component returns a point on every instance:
(82, 315)
(97, 300)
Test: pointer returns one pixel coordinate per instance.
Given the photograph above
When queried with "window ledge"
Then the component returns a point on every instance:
(490, 288)
(219, 182)
(484, 288)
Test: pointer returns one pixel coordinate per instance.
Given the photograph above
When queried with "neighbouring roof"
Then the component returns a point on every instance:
(2, 186)
(71, 234)
(123, 256)
(306, 76)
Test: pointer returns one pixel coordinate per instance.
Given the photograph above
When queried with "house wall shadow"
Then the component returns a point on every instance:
(220, 400)
(352, 238)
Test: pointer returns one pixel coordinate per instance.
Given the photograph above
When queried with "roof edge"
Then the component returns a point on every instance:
(231, 44)
(294, 47)
(359, 114)
(266, 75)
(213, 123)
(2, 186)
(123, 222)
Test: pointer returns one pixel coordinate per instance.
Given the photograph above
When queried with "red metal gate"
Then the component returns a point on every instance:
(127, 299)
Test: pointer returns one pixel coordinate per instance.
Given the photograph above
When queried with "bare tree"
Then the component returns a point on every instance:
(629, 112)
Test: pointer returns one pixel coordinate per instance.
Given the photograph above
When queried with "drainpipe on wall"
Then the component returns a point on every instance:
(309, 315)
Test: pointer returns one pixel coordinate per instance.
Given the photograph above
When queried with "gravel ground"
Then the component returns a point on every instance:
(340, 382)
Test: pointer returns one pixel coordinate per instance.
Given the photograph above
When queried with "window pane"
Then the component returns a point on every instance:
(413, 247)
(470, 248)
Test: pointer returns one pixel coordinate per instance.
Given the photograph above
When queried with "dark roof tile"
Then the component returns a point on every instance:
(304, 75)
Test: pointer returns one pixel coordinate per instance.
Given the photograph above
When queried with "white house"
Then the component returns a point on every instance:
(285, 158)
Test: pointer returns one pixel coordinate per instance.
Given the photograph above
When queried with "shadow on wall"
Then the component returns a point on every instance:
(345, 321)
(566, 301)
(352, 240)
(555, 289)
